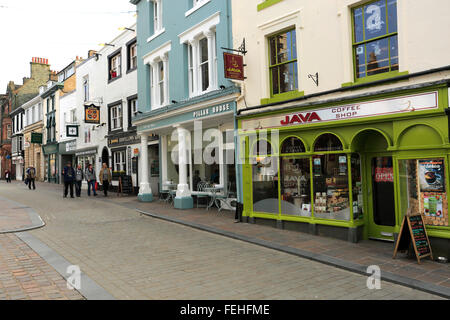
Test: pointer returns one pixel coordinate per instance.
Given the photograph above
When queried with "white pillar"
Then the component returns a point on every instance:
(210, 36)
(195, 69)
(183, 187)
(145, 190)
(155, 93)
(165, 60)
(164, 158)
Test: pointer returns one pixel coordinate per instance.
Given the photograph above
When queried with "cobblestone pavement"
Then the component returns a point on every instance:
(137, 257)
(26, 276)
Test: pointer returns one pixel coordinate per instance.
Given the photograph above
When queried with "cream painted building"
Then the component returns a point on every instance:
(325, 45)
(349, 100)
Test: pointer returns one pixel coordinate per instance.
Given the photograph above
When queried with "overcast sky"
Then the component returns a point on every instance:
(58, 30)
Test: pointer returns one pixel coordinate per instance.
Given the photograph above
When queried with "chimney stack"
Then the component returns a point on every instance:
(39, 60)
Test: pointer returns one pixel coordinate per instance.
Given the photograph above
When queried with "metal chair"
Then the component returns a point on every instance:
(201, 188)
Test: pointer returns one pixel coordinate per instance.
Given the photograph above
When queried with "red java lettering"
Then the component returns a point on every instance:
(301, 118)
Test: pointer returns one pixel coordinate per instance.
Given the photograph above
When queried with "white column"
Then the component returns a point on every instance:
(195, 58)
(155, 94)
(164, 159)
(144, 186)
(221, 161)
(210, 36)
(183, 187)
(165, 60)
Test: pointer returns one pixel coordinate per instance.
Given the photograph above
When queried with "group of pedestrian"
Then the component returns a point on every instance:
(74, 177)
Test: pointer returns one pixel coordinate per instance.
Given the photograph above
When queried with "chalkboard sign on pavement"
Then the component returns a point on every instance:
(413, 230)
(125, 185)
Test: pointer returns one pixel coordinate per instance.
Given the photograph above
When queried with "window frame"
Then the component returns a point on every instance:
(131, 112)
(111, 108)
(387, 36)
(277, 65)
(111, 57)
(130, 57)
(122, 156)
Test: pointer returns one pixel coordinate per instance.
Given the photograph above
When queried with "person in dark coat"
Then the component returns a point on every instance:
(69, 178)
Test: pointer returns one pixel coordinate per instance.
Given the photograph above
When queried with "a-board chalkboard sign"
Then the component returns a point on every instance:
(125, 185)
(413, 230)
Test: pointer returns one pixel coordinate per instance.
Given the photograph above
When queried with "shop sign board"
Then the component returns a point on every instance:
(234, 66)
(71, 146)
(36, 137)
(404, 104)
(431, 175)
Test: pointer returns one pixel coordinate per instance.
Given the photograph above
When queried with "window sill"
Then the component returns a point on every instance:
(267, 3)
(283, 96)
(116, 78)
(156, 34)
(192, 10)
(374, 78)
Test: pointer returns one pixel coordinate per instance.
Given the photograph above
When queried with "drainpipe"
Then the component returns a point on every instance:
(241, 84)
(447, 112)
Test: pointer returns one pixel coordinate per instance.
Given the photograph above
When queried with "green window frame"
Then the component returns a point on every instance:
(372, 18)
(276, 64)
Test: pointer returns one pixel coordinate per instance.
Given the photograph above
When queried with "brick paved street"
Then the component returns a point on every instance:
(138, 257)
(24, 275)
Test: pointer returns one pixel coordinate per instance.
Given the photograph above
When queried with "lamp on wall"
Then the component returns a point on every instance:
(125, 28)
(106, 44)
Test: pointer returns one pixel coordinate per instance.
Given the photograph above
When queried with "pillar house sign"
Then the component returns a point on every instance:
(405, 104)
(234, 66)
(211, 111)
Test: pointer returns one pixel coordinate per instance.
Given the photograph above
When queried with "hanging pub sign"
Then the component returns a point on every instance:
(234, 66)
(92, 114)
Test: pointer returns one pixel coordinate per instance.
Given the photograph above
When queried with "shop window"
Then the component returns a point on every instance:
(293, 145)
(295, 186)
(331, 190)
(357, 186)
(375, 39)
(262, 147)
(283, 62)
(119, 161)
(423, 189)
(328, 142)
(265, 185)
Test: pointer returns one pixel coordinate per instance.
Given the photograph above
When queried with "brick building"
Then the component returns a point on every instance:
(17, 95)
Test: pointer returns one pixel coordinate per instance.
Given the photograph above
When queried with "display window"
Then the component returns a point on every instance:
(295, 179)
(330, 187)
(265, 178)
(357, 191)
(423, 189)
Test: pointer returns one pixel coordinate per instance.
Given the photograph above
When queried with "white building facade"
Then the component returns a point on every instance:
(107, 80)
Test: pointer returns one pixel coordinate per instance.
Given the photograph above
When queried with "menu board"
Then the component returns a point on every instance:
(412, 231)
(419, 235)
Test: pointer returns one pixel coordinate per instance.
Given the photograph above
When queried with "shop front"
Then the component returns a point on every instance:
(122, 146)
(196, 149)
(352, 169)
(52, 164)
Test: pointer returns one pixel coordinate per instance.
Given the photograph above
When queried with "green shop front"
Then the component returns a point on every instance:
(51, 162)
(350, 169)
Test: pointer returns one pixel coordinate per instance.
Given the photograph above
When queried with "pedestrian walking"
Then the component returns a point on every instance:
(105, 177)
(91, 180)
(8, 176)
(69, 178)
(79, 177)
(31, 177)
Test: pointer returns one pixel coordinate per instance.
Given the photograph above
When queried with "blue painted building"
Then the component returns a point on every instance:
(185, 100)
